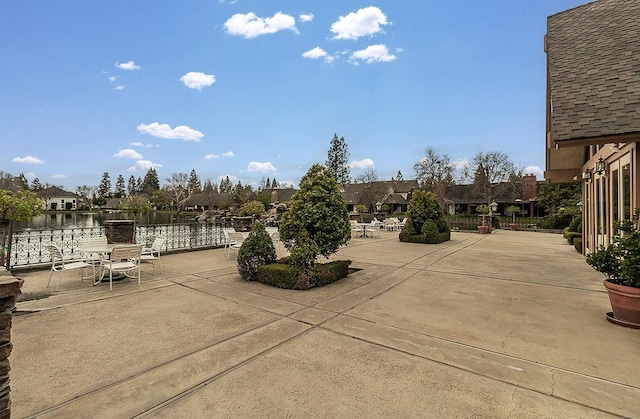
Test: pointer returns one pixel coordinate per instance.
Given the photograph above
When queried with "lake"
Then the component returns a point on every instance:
(77, 219)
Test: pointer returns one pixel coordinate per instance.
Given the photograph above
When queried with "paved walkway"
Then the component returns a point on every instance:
(507, 325)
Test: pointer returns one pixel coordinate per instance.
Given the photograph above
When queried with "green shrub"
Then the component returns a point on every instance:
(425, 220)
(251, 208)
(576, 224)
(256, 251)
(571, 236)
(318, 209)
(283, 275)
(430, 230)
(556, 221)
(577, 243)
(279, 275)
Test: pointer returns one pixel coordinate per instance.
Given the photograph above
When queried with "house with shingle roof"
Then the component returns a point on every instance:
(57, 199)
(593, 110)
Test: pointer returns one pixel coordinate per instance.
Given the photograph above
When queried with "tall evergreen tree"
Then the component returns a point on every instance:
(193, 185)
(226, 186)
(104, 190)
(274, 184)
(150, 183)
(120, 192)
(338, 160)
(36, 186)
(131, 186)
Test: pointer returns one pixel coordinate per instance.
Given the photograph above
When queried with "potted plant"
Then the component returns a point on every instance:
(620, 263)
(484, 210)
(513, 210)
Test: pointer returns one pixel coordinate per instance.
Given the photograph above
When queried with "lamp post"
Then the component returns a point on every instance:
(378, 206)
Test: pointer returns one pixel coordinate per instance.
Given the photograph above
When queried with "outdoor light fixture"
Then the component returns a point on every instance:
(579, 204)
(586, 175)
(378, 205)
(601, 166)
(494, 206)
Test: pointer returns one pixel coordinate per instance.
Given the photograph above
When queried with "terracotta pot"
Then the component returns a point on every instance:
(483, 229)
(625, 302)
(513, 226)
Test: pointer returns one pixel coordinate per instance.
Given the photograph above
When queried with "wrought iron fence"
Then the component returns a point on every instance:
(28, 247)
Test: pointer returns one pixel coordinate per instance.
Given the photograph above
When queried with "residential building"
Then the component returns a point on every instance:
(56, 199)
(593, 110)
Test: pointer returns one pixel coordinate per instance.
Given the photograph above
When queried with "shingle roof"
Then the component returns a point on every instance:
(594, 70)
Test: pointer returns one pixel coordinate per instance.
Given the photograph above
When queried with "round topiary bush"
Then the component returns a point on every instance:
(256, 251)
(425, 220)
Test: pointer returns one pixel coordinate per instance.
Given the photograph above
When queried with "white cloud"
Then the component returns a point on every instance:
(534, 170)
(460, 164)
(30, 175)
(361, 164)
(197, 80)
(120, 87)
(316, 53)
(143, 166)
(181, 132)
(128, 153)
(129, 65)
(217, 156)
(250, 26)
(27, 160)
(113, 78)
(364, 22)
(305, 17)
(139, 144)
(255, 166)
(373, 54)
(58, 177)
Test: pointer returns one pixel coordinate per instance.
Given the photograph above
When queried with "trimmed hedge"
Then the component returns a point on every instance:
(577, 243)
(420, 238)
(283, 275)
(571, 236)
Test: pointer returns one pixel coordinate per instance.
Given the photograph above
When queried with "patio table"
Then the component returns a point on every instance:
(104, 250)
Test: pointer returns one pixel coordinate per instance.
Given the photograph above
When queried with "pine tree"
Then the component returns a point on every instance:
(104, 190)
(399, 177)
(120, 192)
(274, 184)
(36, 186)
(151, 183)
(194, 186)
(131, 186)
(338, 160)
(226, 186)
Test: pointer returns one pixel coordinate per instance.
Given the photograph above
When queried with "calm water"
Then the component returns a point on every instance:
(92, 219)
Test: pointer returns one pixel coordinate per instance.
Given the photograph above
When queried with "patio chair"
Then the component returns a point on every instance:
(356, 230)
(235, 242)
(152, 254)
(390, 224)
(373, 229)
(123, 260)
(59, 264)
(226, 232)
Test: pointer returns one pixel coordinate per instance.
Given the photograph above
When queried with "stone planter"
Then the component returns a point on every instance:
(625, 303)
(513, 226)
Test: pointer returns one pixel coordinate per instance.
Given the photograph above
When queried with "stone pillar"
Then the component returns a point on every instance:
(120, 231)
(9, 291)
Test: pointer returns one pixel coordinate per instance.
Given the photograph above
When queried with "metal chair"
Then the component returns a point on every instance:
(123, 259)
(59, 264)
(152, 254)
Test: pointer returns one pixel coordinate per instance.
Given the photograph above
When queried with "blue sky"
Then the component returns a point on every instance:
(252, 89)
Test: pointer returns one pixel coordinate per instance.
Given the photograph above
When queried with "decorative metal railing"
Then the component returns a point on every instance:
(28, 247)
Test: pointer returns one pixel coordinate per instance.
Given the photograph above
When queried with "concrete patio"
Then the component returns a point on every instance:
(510, 324)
